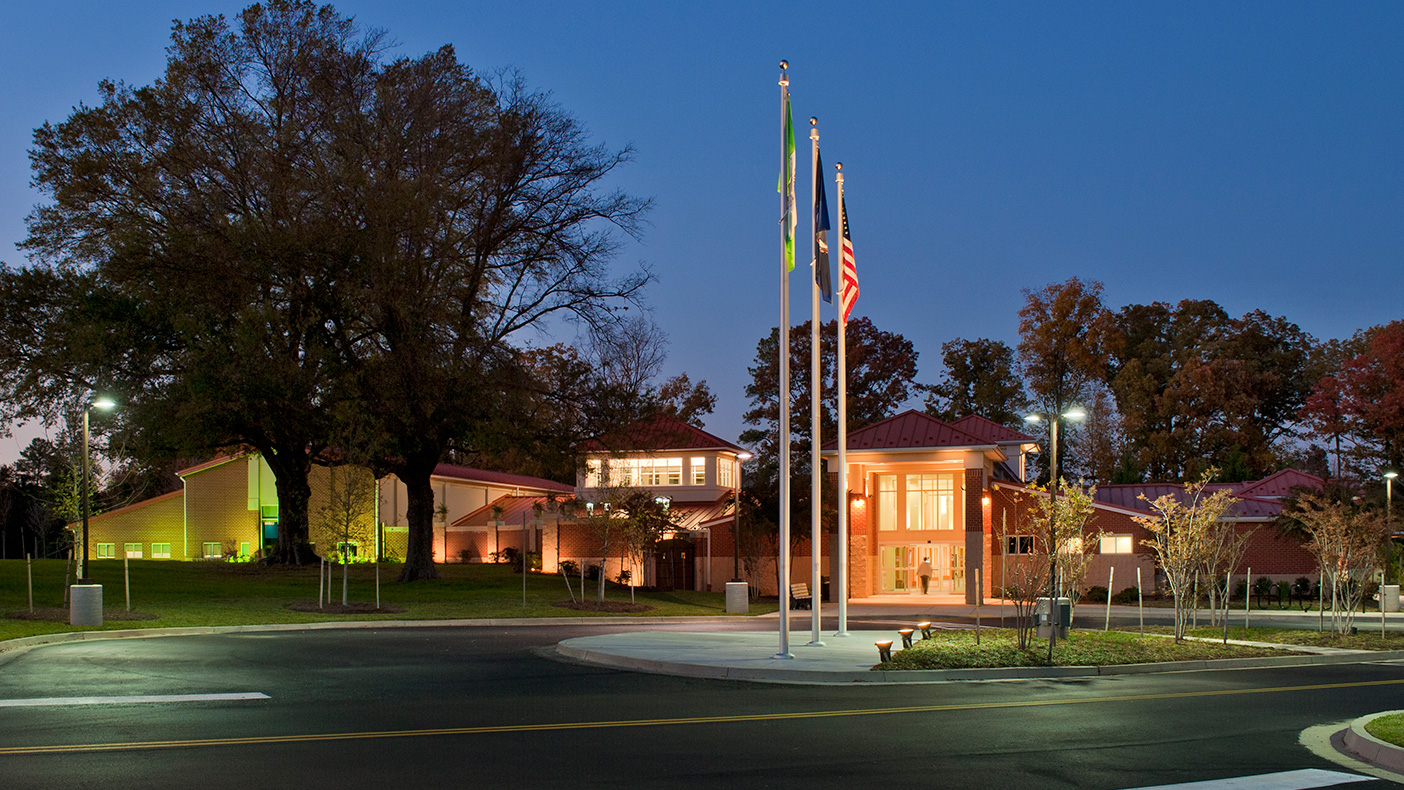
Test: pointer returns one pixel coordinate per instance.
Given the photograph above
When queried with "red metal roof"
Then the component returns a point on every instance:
(989, 430)
(499, 478)
(658, 433)
(909, 430)
(1279, 484)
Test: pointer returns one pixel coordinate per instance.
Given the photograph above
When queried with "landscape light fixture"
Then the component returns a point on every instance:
(884, 650)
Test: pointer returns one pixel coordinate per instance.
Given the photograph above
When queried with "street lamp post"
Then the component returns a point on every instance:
(104, 403)
(1073, 413)
(741, 458)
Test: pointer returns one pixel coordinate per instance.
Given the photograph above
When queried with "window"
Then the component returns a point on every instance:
(630, 472)
(244, 549)
(698, 469)
(106, 551)
(1070, 547)
(160, 551)
(1115, 544)
(1019, 544)
(726, 473)
(931, 501)
(887, 501)
(347, 549)
(213, 550)
(133, 551)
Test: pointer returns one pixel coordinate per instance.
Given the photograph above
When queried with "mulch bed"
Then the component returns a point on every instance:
(59, 614)
(350, 608)
(617, 607)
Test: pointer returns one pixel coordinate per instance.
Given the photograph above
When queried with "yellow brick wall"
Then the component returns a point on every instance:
(157, 520)
(217, 509)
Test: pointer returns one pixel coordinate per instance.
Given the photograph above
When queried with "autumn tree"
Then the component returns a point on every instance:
(1362, 401)
(1196, 388)
(1182, 531)
(1349, 545)
(1063, 344)
(980, 378)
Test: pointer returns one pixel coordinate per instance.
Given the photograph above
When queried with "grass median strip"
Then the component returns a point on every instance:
(999, 648)
(219, 593)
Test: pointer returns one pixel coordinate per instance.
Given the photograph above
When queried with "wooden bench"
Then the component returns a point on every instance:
(800, 597)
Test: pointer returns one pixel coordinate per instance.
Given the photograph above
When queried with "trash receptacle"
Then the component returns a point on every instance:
(1062, 617)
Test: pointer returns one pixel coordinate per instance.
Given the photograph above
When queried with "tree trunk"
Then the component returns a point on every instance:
(344, 563)
(419, 514)
(290, 469)
(604, 560)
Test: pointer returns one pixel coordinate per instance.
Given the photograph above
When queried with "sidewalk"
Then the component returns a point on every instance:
(751, 655)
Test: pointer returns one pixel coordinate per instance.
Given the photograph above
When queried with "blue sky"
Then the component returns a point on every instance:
(1250, 153)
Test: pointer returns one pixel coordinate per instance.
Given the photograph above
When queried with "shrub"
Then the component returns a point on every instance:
(1095, 594)
(569, 567)
(1126, 596)
(592, 572)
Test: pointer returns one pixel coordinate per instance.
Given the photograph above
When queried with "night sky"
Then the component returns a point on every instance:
(1249, 153)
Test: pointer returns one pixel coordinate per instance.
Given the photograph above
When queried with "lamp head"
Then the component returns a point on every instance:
(1391, 474)
(103, 402)
(1075, 413)
(744, 456)
(1035, 417)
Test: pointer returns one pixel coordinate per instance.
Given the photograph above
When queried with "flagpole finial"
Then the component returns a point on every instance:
(813, 128)
(784, 64)
(838, 165)
(784, 74)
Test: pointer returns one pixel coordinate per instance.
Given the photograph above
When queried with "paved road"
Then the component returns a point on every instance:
(351, 709)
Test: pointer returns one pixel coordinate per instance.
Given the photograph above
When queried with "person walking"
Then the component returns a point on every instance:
(924, 571)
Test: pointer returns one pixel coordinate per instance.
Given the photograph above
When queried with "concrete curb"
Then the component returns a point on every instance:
(1371, 749)
(12, 647)
(924, 676)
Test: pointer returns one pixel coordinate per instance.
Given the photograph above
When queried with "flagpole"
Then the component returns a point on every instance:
(840, 574)
(782, 561)
(815, 382)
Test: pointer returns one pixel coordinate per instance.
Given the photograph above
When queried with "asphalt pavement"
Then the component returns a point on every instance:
(469, 706)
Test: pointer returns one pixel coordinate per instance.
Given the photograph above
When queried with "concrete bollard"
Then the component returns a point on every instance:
(738, 598)
(85, 604)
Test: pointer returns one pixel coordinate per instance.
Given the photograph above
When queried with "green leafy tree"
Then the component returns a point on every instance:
(882, 369)
(981, 378)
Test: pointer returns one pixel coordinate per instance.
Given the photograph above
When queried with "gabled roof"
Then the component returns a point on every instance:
(909, 430)
(218, 460)
(655, 434)
(1280, 484)
(989, 430)
(499, 478)
(180, 492)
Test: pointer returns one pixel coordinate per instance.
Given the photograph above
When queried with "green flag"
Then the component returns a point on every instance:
(786, 186)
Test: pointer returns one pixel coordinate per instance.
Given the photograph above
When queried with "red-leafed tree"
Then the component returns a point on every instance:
(1362, 403)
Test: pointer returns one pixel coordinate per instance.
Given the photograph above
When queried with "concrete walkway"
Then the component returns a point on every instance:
(751, 655)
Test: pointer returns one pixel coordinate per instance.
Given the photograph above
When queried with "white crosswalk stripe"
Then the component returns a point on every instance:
(55, 702)
(1304, 779)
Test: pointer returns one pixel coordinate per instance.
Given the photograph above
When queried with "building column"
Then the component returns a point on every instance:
(974, 534)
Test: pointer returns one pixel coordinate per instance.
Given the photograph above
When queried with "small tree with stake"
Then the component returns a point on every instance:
(1181, 533)
(348, 518)
(1349, 544)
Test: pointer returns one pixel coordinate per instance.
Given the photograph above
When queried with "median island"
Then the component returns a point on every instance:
(999, 647)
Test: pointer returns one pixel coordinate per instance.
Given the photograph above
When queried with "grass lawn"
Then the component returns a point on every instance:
(999, 648)
(217, 593)
(1388, 728)
(1366, 638)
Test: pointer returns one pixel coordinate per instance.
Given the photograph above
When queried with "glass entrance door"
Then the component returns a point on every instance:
(896, 574)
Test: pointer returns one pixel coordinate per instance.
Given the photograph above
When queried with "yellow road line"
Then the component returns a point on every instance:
(593, 725)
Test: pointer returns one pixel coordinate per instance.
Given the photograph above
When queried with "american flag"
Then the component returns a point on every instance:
(848, 271)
